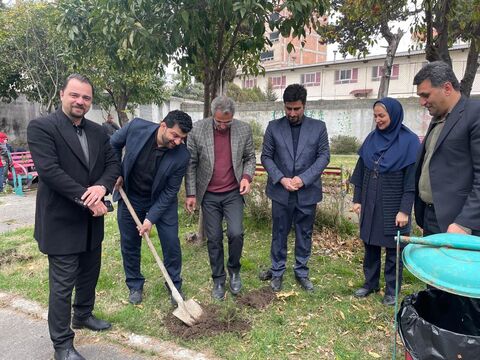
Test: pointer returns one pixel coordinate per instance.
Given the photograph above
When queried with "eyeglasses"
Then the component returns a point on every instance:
(224, 123)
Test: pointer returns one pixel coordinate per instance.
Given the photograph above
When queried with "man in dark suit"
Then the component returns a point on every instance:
(295, 153)
(153, 167)
(76, 168)
(448, 166)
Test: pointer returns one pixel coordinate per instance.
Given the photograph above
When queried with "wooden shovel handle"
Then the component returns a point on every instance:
(176, 295)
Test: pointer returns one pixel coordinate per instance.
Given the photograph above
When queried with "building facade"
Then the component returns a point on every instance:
(354, 78)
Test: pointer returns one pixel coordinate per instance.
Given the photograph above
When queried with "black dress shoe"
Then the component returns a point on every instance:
(135, 296)
(364, 292)
(67, 354)
(218, 291)
(276, 283)
(388, 300)
(235, 283)
(305, 283)
(265, 275)
(91, 323)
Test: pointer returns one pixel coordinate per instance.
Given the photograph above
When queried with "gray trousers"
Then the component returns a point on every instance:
(216, 207)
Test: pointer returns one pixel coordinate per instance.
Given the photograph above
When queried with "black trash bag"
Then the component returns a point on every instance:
(436, 325)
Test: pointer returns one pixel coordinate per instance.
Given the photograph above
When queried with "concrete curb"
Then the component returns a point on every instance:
(161, 349)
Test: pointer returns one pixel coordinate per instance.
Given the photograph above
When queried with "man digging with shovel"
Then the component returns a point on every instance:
(153, 167)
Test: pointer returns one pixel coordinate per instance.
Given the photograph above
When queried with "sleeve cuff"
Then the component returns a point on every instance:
(467, 230)
(248, 177)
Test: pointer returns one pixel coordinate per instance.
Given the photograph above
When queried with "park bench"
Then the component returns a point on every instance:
(22, 172)
(335, 181)
(331, 176)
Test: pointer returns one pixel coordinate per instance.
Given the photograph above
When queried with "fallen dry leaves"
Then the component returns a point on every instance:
(328, 242)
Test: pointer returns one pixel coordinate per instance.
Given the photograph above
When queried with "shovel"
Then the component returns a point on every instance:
(187, 311)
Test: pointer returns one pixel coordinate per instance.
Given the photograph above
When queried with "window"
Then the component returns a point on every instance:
(278, 82)
(274, 36)
(346, 76)
(266, 55)
(249, 83)
(310, 79)
(377, 72)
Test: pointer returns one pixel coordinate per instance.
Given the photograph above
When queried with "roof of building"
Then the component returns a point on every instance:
(461, 47)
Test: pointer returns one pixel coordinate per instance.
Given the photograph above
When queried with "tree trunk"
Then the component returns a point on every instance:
(441, 12)
(436, 18)
(393, 42)
(206, 98)
(120, 103)
(470, 69)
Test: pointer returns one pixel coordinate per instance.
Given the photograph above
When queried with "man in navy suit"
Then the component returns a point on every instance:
(153, 167)
(295, 153)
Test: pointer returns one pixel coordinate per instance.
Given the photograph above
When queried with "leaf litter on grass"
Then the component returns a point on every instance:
(11, 256)
(330, 243)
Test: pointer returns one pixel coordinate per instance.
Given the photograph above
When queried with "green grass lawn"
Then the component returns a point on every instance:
(328, 324)
(347, 161)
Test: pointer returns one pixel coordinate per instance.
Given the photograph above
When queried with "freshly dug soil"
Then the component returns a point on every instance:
(258, 299)
(214, 321)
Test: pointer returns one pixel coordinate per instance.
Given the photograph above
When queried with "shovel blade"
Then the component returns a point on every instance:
(188, 312)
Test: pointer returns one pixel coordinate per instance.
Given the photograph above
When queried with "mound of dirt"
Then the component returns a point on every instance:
(258, 299)
(214, 321)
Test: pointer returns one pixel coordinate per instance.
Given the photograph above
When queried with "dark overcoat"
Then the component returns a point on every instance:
(62, 226)
(454, 169)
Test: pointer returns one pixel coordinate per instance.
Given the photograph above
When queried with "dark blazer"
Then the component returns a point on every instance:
(61, 225)
(312, 157)
(168, 178)
(455, 169)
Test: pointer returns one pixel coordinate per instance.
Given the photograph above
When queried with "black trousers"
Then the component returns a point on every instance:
(372, 264)
(430, 224)
(216, 207)
(302, 218)
(79, 271)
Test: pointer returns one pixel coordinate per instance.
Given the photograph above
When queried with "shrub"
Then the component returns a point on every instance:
(344, 144)
(257, 132)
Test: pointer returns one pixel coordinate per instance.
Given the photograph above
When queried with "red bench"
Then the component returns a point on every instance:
(23, 171)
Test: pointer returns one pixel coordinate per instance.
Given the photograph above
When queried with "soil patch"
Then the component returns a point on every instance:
(258, 299)
(214, 321)
(11, 255)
